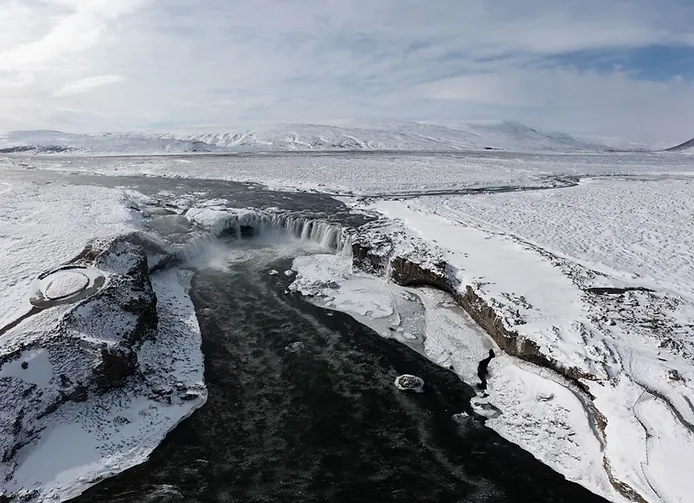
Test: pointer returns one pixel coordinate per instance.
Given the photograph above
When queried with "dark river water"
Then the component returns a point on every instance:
(320, 420)
(323, 422)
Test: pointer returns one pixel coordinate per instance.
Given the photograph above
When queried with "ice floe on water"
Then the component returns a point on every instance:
(409, 382)
(327, 280)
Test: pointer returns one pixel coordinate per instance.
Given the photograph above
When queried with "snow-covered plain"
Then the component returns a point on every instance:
(83, 440)
(629, 228)
(377, 174)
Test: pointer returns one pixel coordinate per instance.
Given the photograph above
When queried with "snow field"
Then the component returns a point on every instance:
(634, 230)
(378, 174)
(44, 225)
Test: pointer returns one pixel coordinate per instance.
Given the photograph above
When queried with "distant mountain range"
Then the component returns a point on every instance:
(687, 145)
(407, 136)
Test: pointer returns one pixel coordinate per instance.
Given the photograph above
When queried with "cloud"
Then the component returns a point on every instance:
(88, 84)
(247, 61)
(588, 102)
(78, 26)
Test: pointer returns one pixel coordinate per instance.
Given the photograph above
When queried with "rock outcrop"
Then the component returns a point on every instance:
(69, 351)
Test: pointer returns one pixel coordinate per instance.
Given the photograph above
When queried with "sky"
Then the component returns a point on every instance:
(621, 69)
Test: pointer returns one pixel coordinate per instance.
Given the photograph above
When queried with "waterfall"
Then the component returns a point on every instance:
(249, 223)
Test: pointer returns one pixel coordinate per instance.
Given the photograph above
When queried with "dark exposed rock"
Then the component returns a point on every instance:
(405, 272)
(189, 395)
(80, 394)
(37, 149)
(117, 364)
(675, 375)
(371, 257)
(605, 290)
(625, 489)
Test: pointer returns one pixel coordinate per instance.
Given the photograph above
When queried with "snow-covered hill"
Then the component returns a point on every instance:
(687, 145)
(408, 136)
(102, 143)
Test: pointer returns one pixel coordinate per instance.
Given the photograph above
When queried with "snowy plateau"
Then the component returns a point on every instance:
(406, 136)
(575, 265)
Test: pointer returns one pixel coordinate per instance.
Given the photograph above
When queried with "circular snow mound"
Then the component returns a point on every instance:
(407, 382)
(65, 285)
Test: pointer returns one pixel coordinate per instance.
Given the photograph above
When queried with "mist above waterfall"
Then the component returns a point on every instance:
(250, 228)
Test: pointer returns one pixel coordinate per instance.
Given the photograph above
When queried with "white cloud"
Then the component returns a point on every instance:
(88, 84)
(316, 60)
(78, 26)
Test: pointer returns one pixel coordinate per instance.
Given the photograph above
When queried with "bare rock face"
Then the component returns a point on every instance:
(116, 364)
(71, 350)
(372, 256)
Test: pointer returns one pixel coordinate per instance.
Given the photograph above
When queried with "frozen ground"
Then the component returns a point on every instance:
(378, 174)
(74, 446)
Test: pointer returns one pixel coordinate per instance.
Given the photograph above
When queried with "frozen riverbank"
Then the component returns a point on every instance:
(622, 338)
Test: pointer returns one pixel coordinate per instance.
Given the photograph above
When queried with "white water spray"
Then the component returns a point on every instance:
(249, 223)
